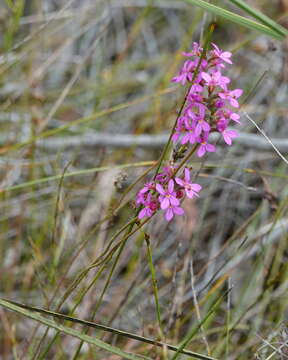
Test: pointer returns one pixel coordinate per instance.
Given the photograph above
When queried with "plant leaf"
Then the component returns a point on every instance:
(14, 306)
(69, 331)
(237, 19)
(75, 173)
(260, 16)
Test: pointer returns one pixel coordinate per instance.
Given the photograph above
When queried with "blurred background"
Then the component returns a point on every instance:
(86, 91)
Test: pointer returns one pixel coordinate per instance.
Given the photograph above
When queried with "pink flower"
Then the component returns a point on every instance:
(186, 73)
(180, 128)
(189, 136)
(166, 174)
(202, 125)
(190, 189)
(150, 206)
(228, 135)
(196, 50)
(204, 146)
(231, 96)
(235, 117)
(173, 210)
(167, 197)
(147, 187)
(223, 55)
(215, 79)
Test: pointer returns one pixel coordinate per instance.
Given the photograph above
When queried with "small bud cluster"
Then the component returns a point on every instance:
(208, 108)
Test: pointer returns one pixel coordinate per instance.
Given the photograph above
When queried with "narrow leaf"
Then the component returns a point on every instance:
(69, 331)
(74, 173)
(260, 16)
(12, 305)
(237, 19)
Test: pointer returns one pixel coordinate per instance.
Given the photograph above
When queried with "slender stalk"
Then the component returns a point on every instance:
(154, 284)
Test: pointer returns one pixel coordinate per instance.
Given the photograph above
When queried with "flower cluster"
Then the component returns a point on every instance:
(166, 193)
(209, 102)
(209, 107)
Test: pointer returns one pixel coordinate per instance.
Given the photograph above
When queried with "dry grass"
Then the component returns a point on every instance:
(73, 69)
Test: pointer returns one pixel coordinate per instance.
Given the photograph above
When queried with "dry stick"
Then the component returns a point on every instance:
(104, 139)
(228, 318)
(56, 213)
(266, 137)
(192, 333)
(197, 307)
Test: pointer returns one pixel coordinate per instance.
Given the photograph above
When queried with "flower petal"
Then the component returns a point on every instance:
(174, 201)
(160, 189)
(178, 210)
(210, 148)
(187, 174)
(142, 213)
(170, 185)
(196, 187)
(165, 203)
(201, 151)
(169, 214)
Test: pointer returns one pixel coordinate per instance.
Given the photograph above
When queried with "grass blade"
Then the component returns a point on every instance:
(237, 19)
(69, 331)
(260, 16)
(28, 311)
(74, 173)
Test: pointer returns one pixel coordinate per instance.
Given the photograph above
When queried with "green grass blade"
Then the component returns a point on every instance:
(260, 16)
(74, 173)
(237, 19)
(24, 309)
(69, 331)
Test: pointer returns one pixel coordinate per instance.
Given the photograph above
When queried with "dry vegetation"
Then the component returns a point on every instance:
(86, 106)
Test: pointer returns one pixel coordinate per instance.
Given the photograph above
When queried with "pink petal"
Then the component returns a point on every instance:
(190, 193)
(234, 102)
(235, 117)
(170, 186)
(179, 181)
(201, 151)
(142, 213)
(165, 203)
(222, 96)
(196, 187)
(178, 210)
(206, 76)
(185, 139)
(206, 126)
(169, 214)
(187, 174)
(174, 201)
(227, 139)
(160, 189)
(232, 133)
(198, 129)
(236, 93)
(210, 148)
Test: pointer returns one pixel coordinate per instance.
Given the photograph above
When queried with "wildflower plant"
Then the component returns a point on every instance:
(209, 106)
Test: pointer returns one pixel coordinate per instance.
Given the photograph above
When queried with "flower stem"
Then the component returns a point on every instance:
(154, 284)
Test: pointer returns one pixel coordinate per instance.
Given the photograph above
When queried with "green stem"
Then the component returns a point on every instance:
(154, 284)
